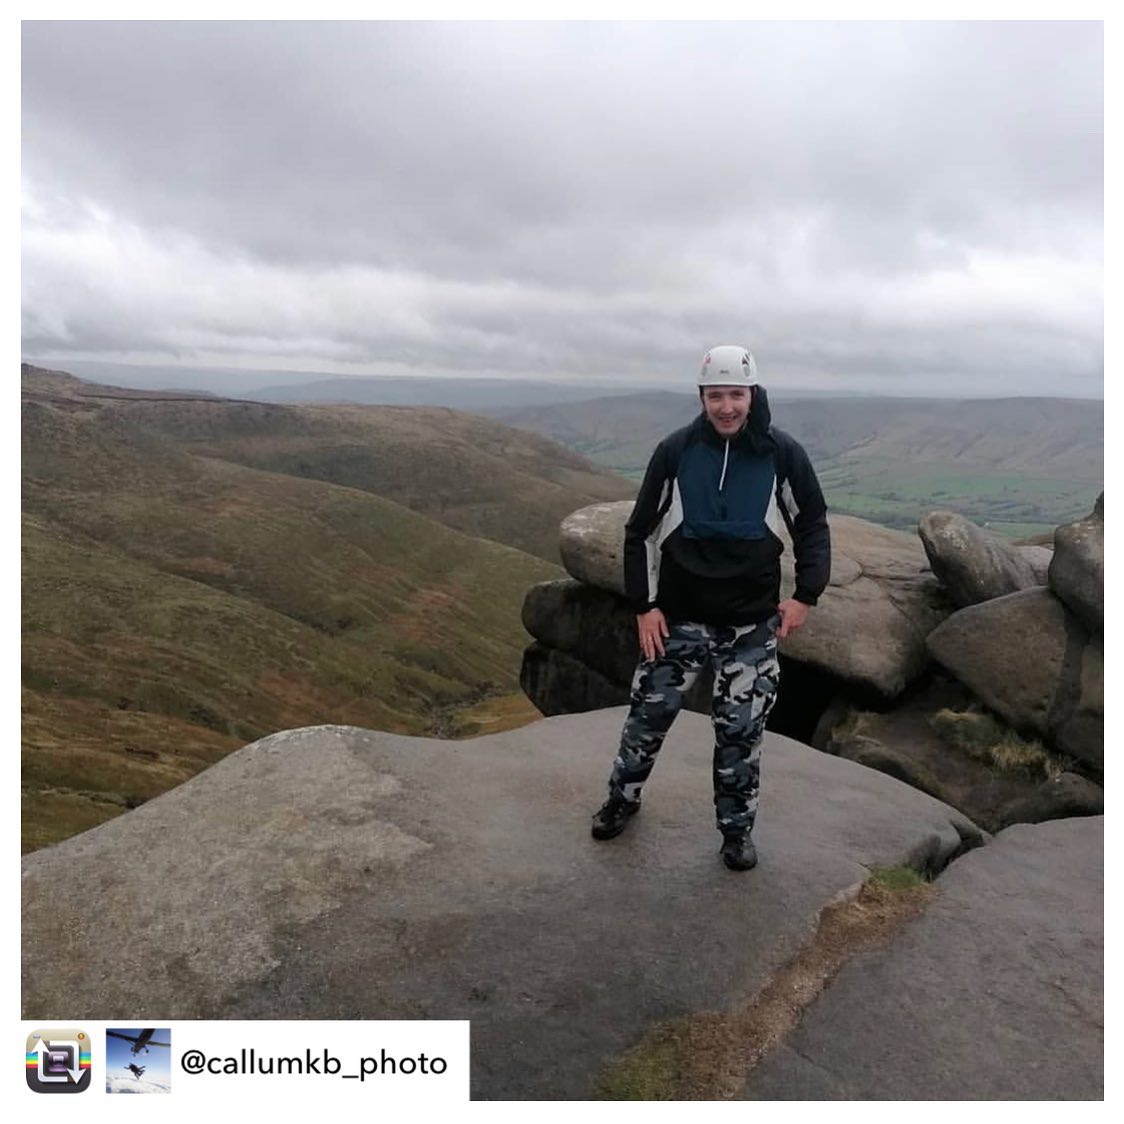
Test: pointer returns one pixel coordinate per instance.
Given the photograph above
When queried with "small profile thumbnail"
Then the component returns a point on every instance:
(138, 1059)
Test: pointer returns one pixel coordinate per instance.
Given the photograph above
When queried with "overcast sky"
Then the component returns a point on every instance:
(902, 208)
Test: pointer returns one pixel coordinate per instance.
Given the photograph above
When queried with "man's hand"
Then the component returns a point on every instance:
(652, 628)
(793, 615)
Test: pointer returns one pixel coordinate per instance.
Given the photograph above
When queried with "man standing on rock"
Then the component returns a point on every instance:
(702, 570)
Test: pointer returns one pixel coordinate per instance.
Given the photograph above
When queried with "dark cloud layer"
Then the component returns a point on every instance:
(908, 202)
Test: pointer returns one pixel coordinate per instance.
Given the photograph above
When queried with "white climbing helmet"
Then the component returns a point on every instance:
(728, 365)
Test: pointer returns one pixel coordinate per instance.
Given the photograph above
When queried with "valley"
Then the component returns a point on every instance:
(1019, 465)
(359, 566)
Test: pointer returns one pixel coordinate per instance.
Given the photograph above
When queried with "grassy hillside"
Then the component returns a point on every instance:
(1021, 465)
(177, 605)
(466, 471)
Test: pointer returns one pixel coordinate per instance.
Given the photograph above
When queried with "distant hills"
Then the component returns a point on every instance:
(458, 394)
(199, 572)
(466, 393)
(1021, 464)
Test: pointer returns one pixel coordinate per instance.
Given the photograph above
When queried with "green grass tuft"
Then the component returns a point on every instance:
(986, 739)
(647, 1072)
(894, 878)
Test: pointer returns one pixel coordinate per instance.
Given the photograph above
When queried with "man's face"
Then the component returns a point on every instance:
(727, 407)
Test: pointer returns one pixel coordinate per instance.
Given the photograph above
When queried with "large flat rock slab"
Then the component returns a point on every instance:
(334, 872)
(995, 993)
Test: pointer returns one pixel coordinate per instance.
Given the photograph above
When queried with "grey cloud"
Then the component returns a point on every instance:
(591, 197)
(244, 128)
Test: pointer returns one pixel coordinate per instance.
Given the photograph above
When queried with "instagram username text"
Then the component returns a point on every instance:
(247, 1062)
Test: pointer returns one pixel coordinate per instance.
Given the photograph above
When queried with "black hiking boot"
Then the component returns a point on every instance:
(738, 851)
(613, 817)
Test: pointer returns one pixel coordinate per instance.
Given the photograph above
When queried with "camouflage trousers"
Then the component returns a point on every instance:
(746, 675)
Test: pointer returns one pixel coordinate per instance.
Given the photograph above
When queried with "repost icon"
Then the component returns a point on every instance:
(58, 1061)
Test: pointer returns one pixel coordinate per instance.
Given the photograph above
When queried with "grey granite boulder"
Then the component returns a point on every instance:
(1039, 559)
(586, 622)
(996, 992)
(557, 683)
(591, 542)
(993, 786)
(586, 650)
(973, 564)
(1062, 798)
(869, 627)
(1033, 663)
(339, 873)
(1077, 570)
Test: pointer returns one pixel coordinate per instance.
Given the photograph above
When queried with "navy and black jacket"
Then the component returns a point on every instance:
(702, 543)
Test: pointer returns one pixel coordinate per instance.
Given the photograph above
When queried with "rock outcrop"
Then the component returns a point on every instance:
(993, 777)
(1039, 559)
(1033, 663)
(867, 633)
(334, 873)
(882, 620)
(558, 683)
(588, 623)
(973, 564)
(585, 650)
(869, 628)
(1077, 569)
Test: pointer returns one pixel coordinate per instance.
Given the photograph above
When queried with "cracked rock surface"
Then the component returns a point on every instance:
(340, 873)
(994, 993)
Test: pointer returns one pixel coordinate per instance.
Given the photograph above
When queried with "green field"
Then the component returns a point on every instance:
(1016, 506)
(1020, 466)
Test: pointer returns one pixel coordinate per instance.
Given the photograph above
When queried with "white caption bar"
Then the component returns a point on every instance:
(385, 1064)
